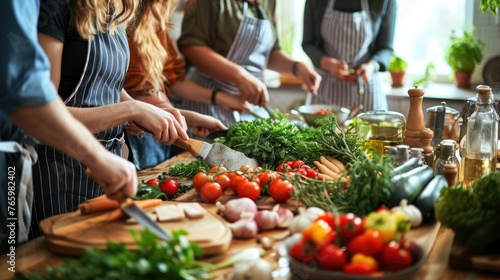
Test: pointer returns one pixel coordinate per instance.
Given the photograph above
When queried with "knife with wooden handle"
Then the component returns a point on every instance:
(128, 206)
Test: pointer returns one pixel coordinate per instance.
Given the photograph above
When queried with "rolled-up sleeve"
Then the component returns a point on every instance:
(24, 68)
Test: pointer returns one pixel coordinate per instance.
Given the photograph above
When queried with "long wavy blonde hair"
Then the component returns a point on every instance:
(90, 17)
(151, 19)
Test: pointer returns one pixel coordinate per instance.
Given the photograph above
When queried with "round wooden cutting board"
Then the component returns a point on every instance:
(210, 232)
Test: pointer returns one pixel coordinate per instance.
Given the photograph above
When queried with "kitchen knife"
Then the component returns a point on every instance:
(128, 206)
(213, 154)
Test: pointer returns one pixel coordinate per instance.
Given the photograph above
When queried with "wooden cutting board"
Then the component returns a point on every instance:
(210, 232)
(460, 258)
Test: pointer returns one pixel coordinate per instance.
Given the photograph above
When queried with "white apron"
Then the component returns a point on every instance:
(250, 49)
(348, 36)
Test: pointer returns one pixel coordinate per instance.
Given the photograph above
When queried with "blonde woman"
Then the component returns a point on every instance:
(155, 70)
(86, 44)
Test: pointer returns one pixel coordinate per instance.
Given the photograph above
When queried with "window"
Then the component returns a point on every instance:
(422, 31)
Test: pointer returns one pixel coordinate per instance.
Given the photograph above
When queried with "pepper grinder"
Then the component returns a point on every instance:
(416, 134)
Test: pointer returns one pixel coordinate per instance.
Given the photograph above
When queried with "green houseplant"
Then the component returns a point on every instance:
(397, 68)
(463, 54)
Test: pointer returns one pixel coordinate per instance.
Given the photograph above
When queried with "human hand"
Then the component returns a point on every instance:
(204, 125)
(337, 67)
(366, 71)
(252, 89)
(309, 77)
(166, 125)
(116, 175)
(233, 102)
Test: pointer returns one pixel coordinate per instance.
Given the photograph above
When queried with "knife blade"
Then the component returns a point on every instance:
(215, 154)
(128, 206)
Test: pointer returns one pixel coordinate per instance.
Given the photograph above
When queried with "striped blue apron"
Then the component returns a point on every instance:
(348, 36)
(59, 181)
(250, 49)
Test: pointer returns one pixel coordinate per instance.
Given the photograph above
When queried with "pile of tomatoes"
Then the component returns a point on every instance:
(355, 245)
(323, 111)
(247, 182)
(167, 186)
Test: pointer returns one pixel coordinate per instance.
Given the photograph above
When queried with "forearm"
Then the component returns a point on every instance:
(212, 63)
(189, 90)
(53, 125)
(280, 62)
(100, 118)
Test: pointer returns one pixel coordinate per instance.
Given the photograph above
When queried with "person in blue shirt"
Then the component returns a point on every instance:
(30, 105)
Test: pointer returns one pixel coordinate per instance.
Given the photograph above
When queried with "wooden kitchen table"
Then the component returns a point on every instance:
(34, 256)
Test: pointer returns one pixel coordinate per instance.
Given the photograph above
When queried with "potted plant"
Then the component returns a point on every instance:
(463, 54)
(397, 68)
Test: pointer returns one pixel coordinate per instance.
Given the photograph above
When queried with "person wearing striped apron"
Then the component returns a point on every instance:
(29, 105)
(90, 80)
(254, 47)
(344, 35)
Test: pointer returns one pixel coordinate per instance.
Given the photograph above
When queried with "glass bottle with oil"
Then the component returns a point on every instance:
(381, 128)
(481, 139)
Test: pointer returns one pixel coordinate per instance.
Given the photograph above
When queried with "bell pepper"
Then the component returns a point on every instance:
(361, 264)
(319, 234)
(384, 222)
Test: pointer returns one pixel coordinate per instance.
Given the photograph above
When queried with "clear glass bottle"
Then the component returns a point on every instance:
(417, 153)
(480, 153)
(447, 164)
(402, 154)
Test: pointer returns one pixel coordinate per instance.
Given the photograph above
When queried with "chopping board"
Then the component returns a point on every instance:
(210, 232)
(461, 258)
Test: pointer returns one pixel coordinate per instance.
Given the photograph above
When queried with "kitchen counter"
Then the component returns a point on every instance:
(34, 256)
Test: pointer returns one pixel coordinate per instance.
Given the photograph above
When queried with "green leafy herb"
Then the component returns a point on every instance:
(188, 170)
(173, 259)
(368, 187)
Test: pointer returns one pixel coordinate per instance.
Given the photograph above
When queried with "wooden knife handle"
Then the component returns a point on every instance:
(191, 145)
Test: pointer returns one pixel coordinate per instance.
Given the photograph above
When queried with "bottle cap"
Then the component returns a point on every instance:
(447, 147)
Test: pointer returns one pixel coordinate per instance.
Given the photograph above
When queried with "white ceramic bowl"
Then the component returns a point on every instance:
(307, 111)
(302, 271)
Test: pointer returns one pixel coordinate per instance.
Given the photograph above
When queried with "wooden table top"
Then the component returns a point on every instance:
(34, 256)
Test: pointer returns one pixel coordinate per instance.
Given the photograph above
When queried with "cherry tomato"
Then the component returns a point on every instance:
(199, 180)
(300, 252)
(154, 182)
(169, 187)
(328, 217)
(297, 164)
(282, 167)
(350, 226)
(217, 168)
(247, 168)
(311, 173)
(301, 171)
(235, 182)
(393, 257)
(369, 243)
(280, 190)
(223, 181)
(266, 177)
(331, 257)
(249, 189)
(210, 191)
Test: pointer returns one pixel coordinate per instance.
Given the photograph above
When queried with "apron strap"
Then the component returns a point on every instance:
(25, 187)
(83, 74)
(331, 4)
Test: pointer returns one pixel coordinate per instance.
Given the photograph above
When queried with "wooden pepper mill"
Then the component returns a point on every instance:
(416, 134)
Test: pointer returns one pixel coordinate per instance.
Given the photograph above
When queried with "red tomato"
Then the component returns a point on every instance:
(169, 187)
(289, 163)
(329, 218)
(311, 173)
(249, 189)
(301, 253)
(266, 177)
(393, 257)
(235, 182)
(350, 226)
(210, 192)
(217, 168)
(247, 168)
(154, 182)
(297, 164)
(199, 180)
(283, 167)
(223, 181)
(301, 171)
(370, 243)
(280, 190)
(331, 257)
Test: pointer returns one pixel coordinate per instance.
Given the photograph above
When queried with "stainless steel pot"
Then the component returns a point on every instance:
(450, 128)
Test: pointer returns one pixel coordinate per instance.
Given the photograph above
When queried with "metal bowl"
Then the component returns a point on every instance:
(308, 112)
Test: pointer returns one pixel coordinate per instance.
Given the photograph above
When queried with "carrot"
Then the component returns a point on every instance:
(324, 177)
(105, 204)
(329, 164)
(323, 169)
(337, 162)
